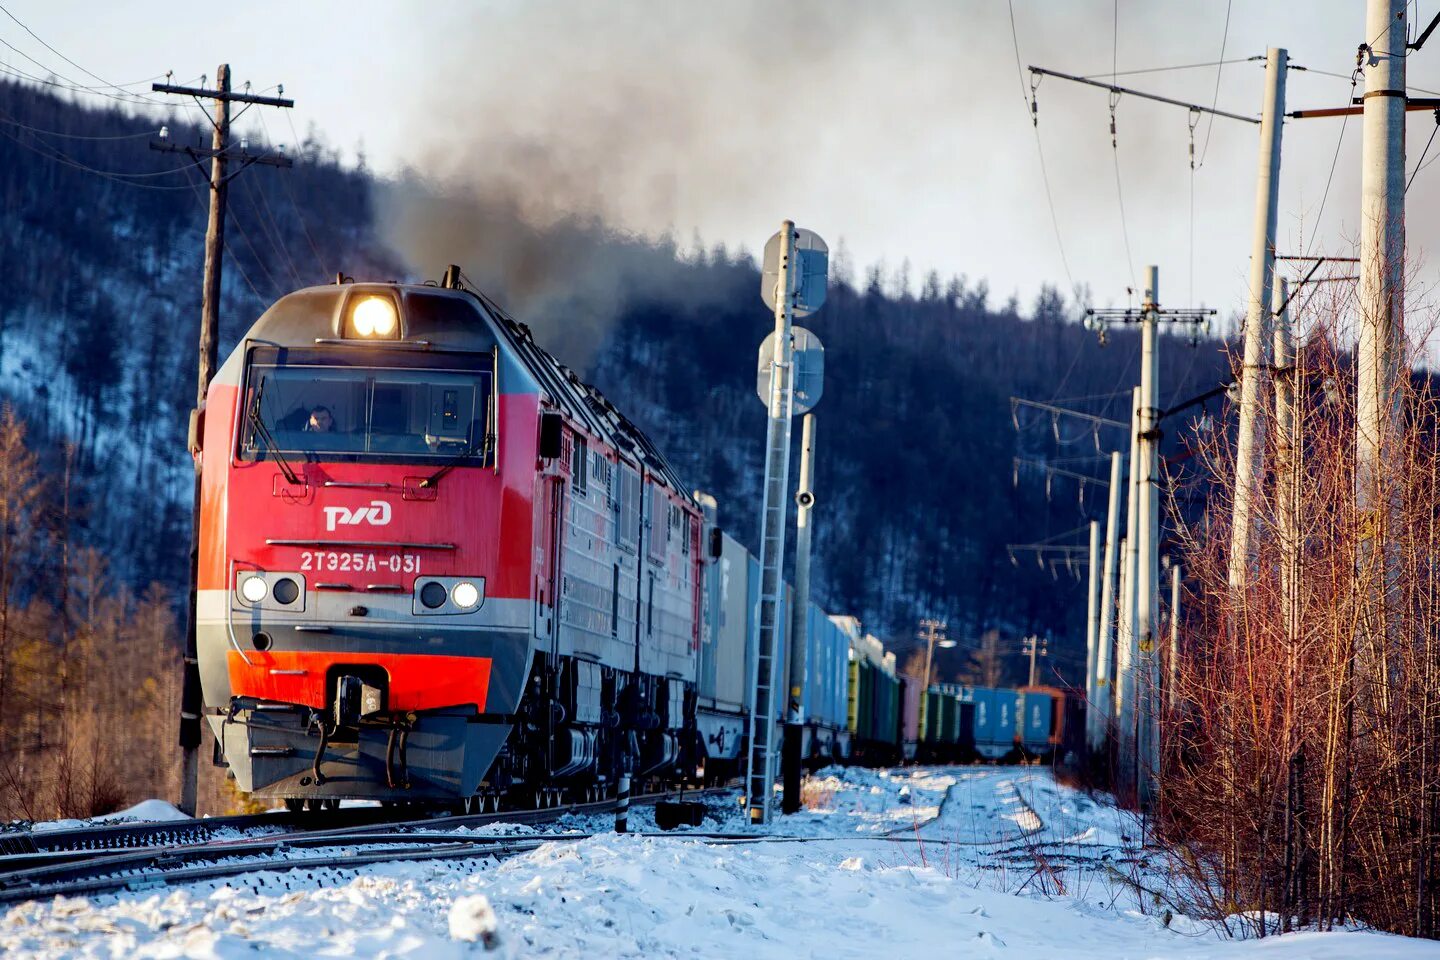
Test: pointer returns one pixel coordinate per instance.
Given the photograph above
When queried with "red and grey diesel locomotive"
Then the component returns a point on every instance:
(435, 565)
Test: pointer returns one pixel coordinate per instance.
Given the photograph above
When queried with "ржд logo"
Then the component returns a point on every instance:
(376, 514)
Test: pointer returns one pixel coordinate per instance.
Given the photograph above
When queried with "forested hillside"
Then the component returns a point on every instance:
(918, 491)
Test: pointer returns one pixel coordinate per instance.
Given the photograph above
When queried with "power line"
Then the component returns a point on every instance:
(275, 239)
(285, 181)
(1215, 100)
(51, 153)
(200, 197)
(1040, 149)
(57, 53)
(1421, 164)
(74, 136)
(1339, 142)
(1178, 66)
(17, 73)
(1120, 196)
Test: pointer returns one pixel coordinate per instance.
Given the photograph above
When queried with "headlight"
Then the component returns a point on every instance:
(373, 317)
(253, 589)
(465, 594)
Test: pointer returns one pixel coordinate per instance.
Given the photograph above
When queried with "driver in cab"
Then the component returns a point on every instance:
(321, 420)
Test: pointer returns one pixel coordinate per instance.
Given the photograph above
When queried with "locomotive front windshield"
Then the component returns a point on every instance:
(345, 413)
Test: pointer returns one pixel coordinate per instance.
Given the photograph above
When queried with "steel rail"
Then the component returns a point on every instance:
(138, 869)
(63, 846)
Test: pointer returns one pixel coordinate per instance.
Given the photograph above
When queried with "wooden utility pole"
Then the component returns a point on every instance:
(1036, 646)
(191, 701)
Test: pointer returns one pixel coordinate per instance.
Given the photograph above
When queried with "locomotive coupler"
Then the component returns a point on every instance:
(355, 700)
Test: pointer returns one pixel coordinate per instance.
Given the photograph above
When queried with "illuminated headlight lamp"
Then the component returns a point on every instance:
(373, 316)
(254, 589)
(465, 594)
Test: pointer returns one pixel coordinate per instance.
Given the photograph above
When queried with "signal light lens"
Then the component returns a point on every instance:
(285, 590)
(465, 594)
(374, 317)
(254, 589)
(433, 595)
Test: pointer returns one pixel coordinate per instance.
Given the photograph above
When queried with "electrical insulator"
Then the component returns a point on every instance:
(244, 143)
(164, 133)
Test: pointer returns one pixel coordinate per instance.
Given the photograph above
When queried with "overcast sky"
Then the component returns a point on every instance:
(898, 127)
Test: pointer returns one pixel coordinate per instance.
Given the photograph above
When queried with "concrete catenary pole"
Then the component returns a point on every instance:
(1092, 628)
(1147, 583)
(1126, 647)
(1382, 276)
(1248, 442)
(760, 775)
(1098, 722)
(799, 620)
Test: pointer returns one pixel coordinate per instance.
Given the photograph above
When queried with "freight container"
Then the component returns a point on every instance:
(1037, 719)
(994, 721)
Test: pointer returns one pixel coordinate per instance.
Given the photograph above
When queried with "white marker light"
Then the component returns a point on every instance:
(253, 589)
(465, 594)
(373, 317)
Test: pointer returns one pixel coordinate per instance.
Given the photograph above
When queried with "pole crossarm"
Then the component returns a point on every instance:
(1051, 408)
(1127, 91)
(1060, 471)
(1419, 41)
(245, 158)
(1198, 400)
(1411, 104)
(227, 95)
(1138, 314)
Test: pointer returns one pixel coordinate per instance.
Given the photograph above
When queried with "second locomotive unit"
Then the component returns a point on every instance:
(434, 565)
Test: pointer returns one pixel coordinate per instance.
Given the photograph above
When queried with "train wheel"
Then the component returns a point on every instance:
(294, 804)
(331, 804)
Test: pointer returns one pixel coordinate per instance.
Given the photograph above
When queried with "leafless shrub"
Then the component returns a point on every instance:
(1300, 771)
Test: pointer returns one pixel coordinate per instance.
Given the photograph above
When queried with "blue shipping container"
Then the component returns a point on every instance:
(1037, 710)
(994, 721)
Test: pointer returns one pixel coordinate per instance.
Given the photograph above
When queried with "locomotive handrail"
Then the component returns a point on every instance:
(360, 543)
(370, 484)
(230, 618)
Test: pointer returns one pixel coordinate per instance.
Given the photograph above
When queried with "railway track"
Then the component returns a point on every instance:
(115, 858)
(155, 859)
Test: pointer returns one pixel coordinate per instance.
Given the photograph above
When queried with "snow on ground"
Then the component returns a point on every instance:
(917, 862)
(145, 810)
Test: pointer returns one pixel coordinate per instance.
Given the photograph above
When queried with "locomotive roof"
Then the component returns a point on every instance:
(443, 318)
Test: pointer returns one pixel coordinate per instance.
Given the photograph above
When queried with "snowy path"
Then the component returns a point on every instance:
(947, 890)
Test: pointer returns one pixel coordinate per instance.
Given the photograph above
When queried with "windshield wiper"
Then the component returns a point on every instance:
(257, 424)
(459, 458)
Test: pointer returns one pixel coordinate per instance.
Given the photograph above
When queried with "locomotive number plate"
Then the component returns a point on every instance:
(359, 561)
